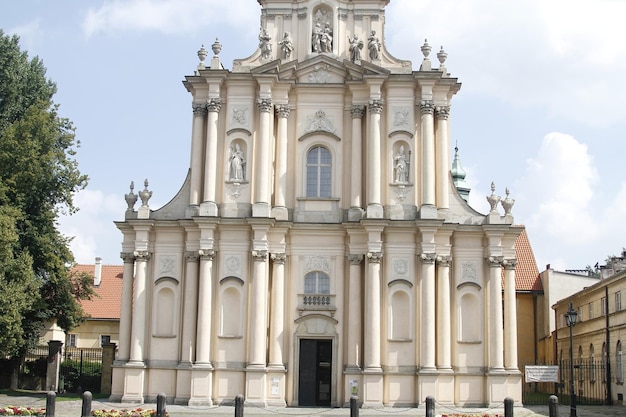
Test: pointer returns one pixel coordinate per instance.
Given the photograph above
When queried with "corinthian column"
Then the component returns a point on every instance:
(371, 356)
(261, 206)
(280, 191)
(123, 352)
(443, 157)
(354, 313)
(199, 114)
(496, 345)
(510, 315)
(356, 171)
(277, 322)
(189, 308)
(443, 312)
(428, 153)
(205, 295)
(209, 206)
(374, 197)
(427, 338)
(139, 308)
(258, 345)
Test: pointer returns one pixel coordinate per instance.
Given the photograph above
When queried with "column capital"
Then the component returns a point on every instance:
(282, 110)
(192, 256)
(375, 257)
(509, 264)
(206, 254)
(442, 112)
(127, 257)
(357, 111)
(214, 105)
(428, 258)
(427, 107)
(265, 105)
(259, 255)
(279, 258)
(143, 255)
(199, 109)
(355, 259)
(376, 106)
(444, 260)
(495, 261)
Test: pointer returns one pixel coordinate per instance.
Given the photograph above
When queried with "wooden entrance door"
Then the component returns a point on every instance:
(315, 373)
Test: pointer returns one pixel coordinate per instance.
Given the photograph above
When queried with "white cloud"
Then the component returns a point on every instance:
(30, 34)
(92, 227)
(168, 16)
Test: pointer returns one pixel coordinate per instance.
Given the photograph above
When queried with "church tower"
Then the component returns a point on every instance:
(319, 248)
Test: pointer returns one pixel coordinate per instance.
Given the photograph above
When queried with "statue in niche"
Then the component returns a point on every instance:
(264, 44)
(286, 45)
(316, 38)
(237, 164)
(326, 39)
(355, 48)
(401, 164)
(373, 45)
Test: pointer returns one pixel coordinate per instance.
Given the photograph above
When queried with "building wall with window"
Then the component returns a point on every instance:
(597, 336)
(318, 248)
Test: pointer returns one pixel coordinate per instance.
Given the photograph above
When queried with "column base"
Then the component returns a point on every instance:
(134, 376)
(372, 394)
(427, 211)
(276, 380)
(208, 208)
(355, 214)
(280, 213)
(375, 211)
(201, 386)
(192, 211)
(261, 210)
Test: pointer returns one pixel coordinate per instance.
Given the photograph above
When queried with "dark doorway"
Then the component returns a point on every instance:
(315, 372)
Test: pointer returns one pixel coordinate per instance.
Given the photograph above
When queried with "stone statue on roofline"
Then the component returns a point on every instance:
(264, 44)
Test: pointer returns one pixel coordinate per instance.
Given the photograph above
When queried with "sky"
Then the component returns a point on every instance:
(541, 110)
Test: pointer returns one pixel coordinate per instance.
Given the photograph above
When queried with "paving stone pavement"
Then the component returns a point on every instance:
(73, 408)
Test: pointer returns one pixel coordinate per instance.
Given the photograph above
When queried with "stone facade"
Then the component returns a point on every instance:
(318, 248)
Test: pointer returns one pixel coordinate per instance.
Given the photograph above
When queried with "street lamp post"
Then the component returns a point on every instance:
(570, 318)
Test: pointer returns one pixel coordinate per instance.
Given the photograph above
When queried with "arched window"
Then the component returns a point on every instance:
(581, 374)
(318, 172)
(604, 362)
(316, 282)
(619, 364)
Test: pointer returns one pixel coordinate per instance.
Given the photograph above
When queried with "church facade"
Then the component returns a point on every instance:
(319, 248)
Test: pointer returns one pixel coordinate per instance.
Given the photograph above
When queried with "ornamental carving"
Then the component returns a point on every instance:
(443, 260)
(240, 115)
(233, 265)
(317, 263)
(401, 117)
(469, 271)
(355, 259)
(428, 258)
(279, 258)
(376, 106)
(192, 256)
(442, 112)
(265, 105)
(142, 256)
(427, 107)
(319, 122)
(206, 254)
(282, 110)
(166, 265)
(400, 266)
(509, 264)
(214, 105)
(495, 261)
(320, 74)
(357, 111)
(199, 110)
(127, 257)
(259, 255)
(374, 257)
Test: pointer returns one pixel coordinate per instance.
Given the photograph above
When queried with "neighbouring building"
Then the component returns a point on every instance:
(319, 248)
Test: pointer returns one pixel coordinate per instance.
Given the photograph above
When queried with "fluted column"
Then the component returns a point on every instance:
(371, 355)
(496, 343)
(139, 307)
(205, 308)
(280, 191)
(190, 306)
(356, 170)
(277, 321)
(258, 328)
(211, 160)
(374, 196)
(443, 312)
(126, 311)
(354, 313)
(199, 114)
(261, 206)
(427, 337)
(428, 153)
(443, 156)
(510, 315)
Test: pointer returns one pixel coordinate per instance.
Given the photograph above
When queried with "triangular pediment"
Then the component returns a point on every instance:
(321, 69)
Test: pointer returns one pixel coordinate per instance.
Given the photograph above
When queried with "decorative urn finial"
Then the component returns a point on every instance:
(131, 198)
(441, 56)
(426, 48)
(202, 54)
(493, 199)
(216, 47)
(507, 203)
(145, 194)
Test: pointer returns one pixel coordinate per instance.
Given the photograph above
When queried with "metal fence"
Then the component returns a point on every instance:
(590, 384)
(81, 370)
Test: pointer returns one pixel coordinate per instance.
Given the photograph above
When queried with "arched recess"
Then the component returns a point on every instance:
(468, 315)
(165, 312)
(231, 308)
(237, 157)
(400, 322)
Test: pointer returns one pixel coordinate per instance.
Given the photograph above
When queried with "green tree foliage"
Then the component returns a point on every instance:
(39, 177)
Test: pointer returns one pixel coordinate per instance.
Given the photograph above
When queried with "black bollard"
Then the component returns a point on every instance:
(51, 397)
(508, 407)
(553, 406)
(430, 406)
(86, 410)
(239, 405)
(160, 411)
(354, 406)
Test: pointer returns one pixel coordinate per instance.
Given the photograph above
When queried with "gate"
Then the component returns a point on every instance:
(589, 384)
(32, 371)
(81, 370)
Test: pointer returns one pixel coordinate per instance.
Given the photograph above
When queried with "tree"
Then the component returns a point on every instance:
(39, 176)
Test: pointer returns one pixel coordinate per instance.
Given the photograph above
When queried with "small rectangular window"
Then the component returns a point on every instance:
(603, 306)
(590, 310)
(71, 340)
(105, 339)
(618, 301)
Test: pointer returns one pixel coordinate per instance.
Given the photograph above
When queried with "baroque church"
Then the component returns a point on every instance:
(319, 248)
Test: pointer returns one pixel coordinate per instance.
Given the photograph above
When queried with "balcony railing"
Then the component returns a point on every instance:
(317, 302)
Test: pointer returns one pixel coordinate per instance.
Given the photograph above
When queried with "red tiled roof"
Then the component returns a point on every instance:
(526, 271)
(106, 304)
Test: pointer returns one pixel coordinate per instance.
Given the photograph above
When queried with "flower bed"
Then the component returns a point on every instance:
(137, 412)
(22, 411)
(471, 415)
